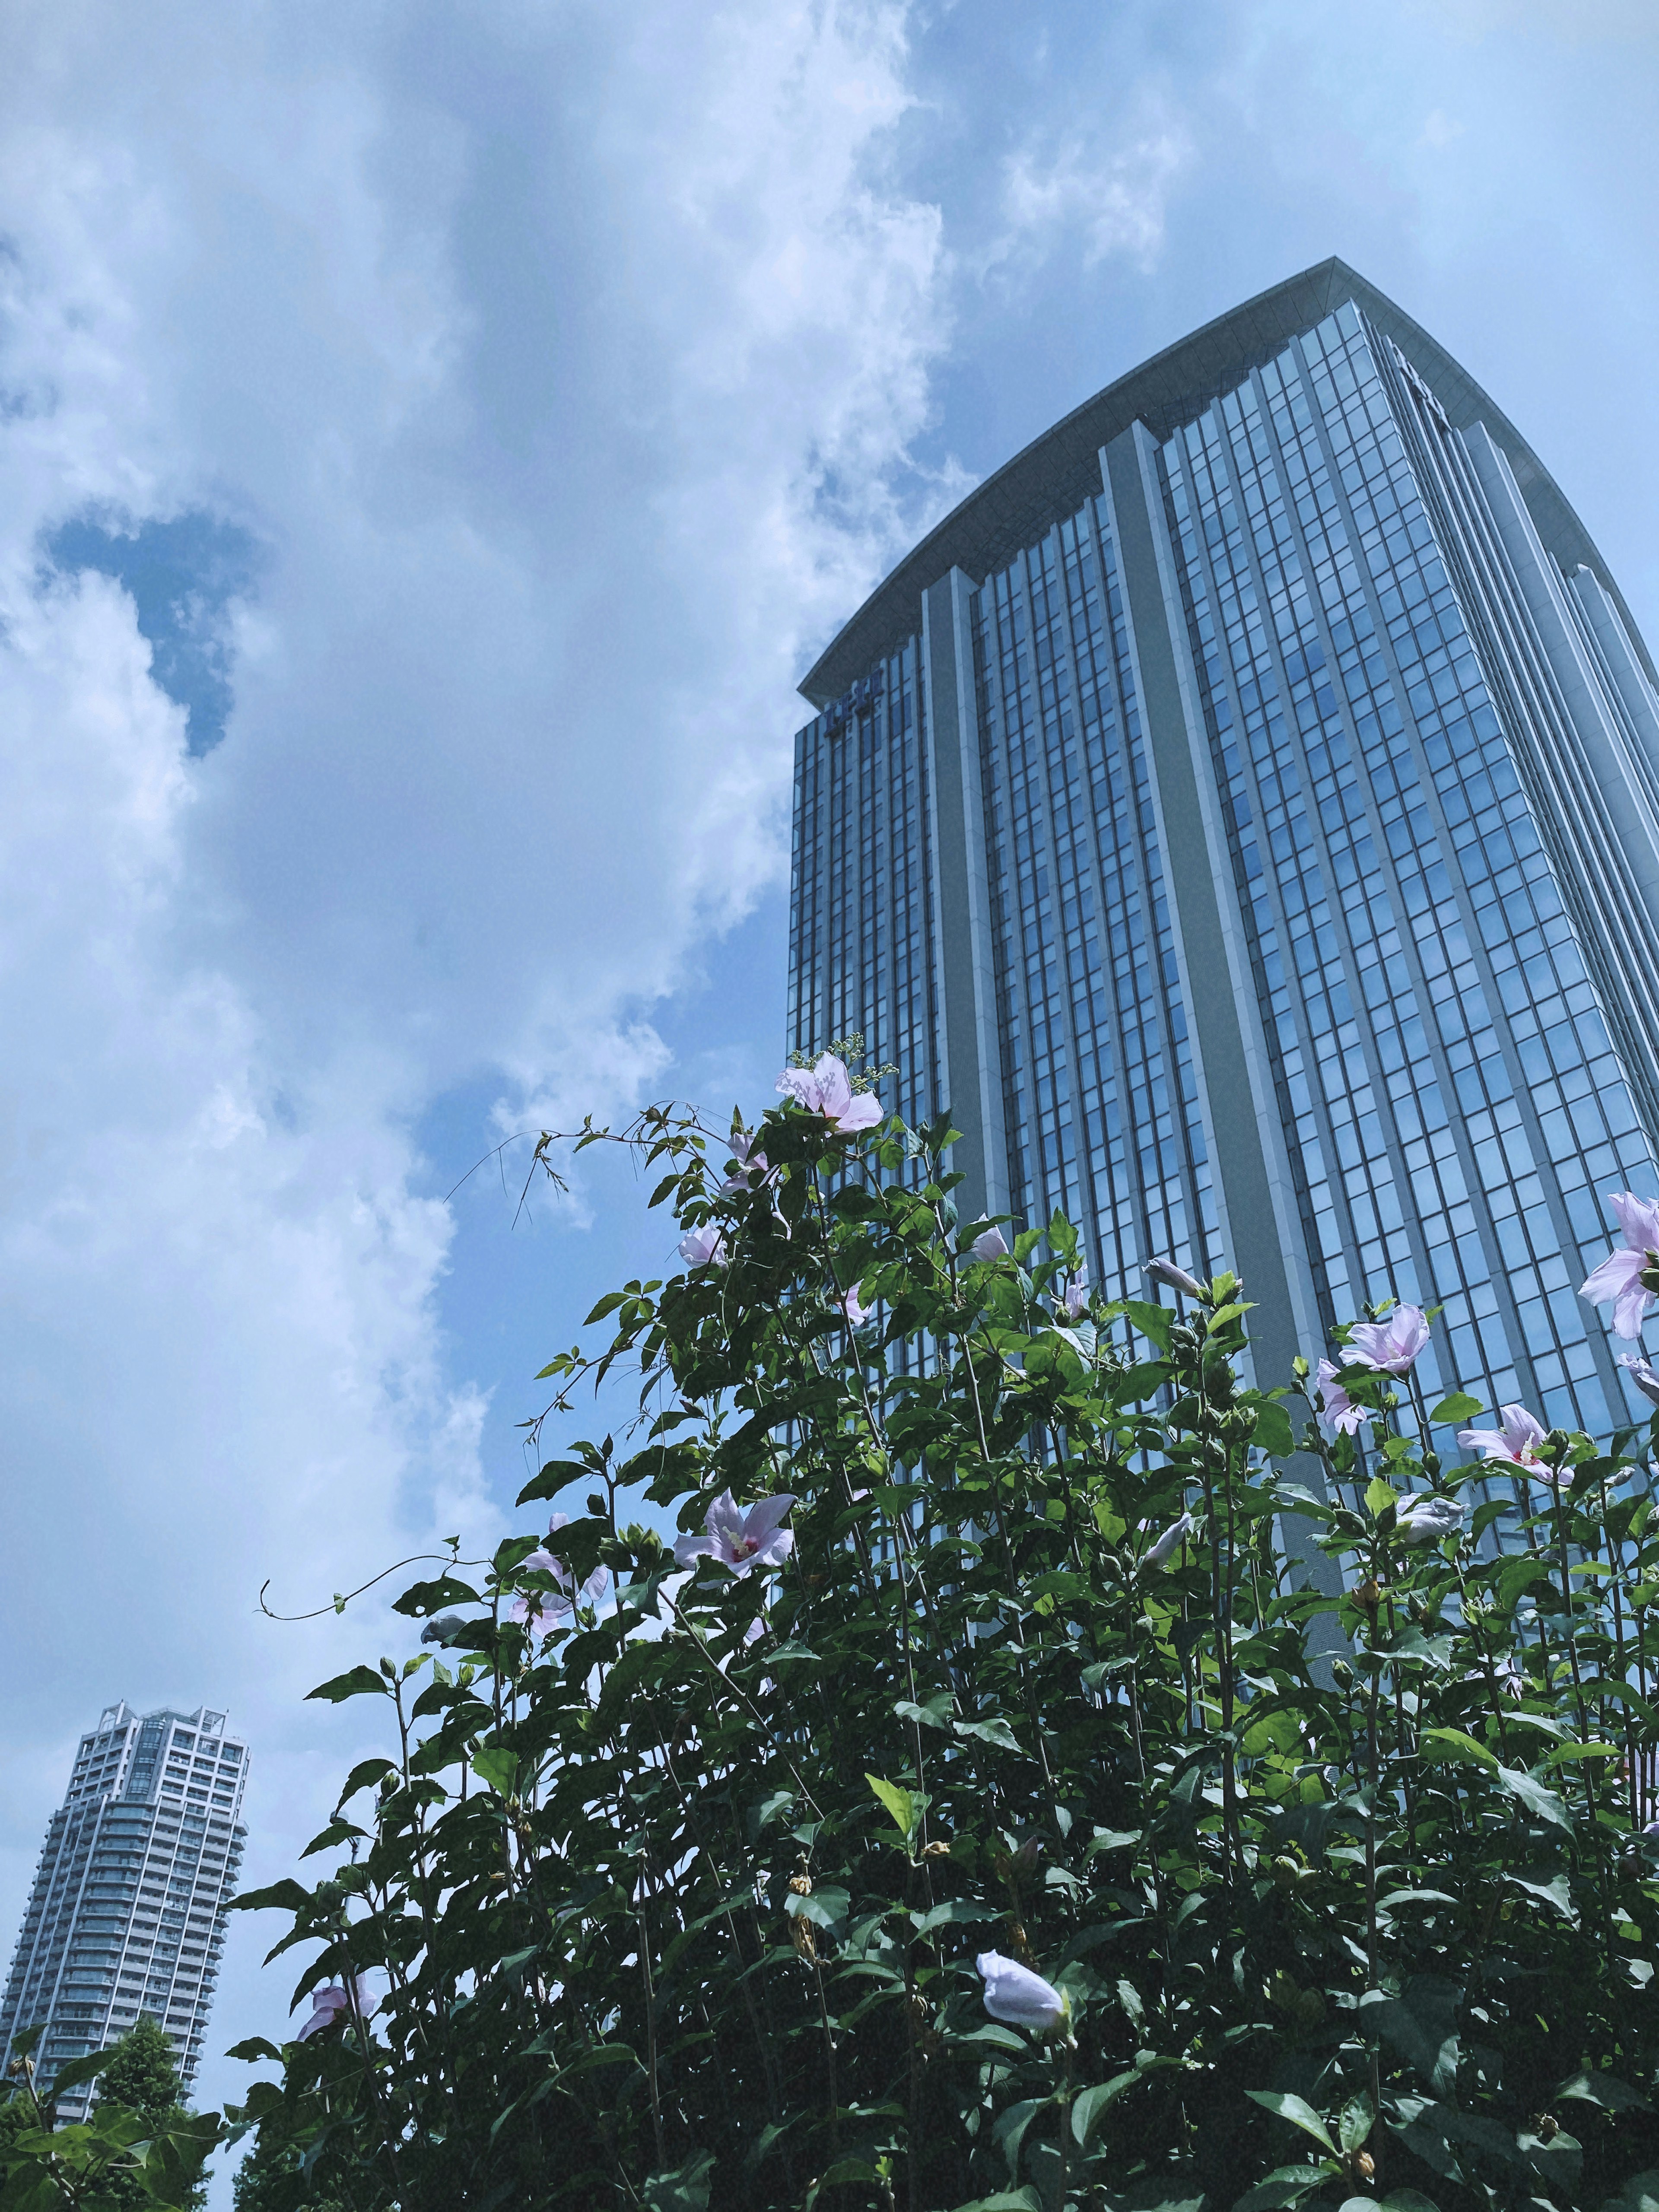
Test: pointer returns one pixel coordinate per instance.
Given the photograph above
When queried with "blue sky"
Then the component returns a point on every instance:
(434, 440)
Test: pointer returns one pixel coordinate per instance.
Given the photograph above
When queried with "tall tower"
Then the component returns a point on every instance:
(126, 1915)
(1242, 811)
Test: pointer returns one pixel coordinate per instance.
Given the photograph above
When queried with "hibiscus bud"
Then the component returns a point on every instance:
(1309, 2010)
(1015, 1994)
(1286, 1873)
(1175, 1278)
(596, 1504)
(1025, 1858)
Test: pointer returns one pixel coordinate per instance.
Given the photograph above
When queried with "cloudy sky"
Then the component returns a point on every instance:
(434, 439)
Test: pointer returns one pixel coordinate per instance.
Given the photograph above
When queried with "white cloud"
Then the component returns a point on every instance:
(1106, 186)
(564, 364)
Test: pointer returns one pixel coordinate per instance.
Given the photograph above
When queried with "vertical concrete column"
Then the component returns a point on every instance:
(964, 953)
(1261, 1220)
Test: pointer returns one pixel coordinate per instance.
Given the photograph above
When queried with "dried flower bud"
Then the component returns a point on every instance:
(936, 1851)
(1365, 2165)
(800, 1935)
(800, 1885)
(1368, 1596)
(1545, 2126)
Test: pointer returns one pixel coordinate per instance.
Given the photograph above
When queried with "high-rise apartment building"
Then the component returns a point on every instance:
(1243, 813)
(126, 1916)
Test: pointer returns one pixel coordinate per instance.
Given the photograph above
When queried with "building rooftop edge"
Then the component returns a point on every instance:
(1050, 478)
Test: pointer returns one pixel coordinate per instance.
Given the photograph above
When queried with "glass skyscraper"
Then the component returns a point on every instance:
(126, 1916)
(1242, 811)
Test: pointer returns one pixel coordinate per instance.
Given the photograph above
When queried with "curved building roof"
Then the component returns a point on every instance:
(1057, 472)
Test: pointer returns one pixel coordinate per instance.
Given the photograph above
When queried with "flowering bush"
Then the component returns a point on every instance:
(977, 1806)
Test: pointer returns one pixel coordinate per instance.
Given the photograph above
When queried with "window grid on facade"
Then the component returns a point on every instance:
(1328, 650)
(126, 1915)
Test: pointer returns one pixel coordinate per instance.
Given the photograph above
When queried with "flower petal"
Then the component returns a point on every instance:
(834, 1088)
(761, 1519)
(861, 1112)
(1638, 1217)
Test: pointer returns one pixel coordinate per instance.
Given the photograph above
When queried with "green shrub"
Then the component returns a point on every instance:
(1328, 1879)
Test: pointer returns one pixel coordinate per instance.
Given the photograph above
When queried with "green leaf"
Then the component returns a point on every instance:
(359, 1683)
(1379, 1496)
(85, 2068)
(826, 1905)
(935, 1714)
(1556, 1892)
(497, 1768)
(365, 1772)
(1606, 2090)
(1358, 2118)
(1274, 1434)
(1284, 2185)
(899, 1802)
(253, 2049)
(1296, 2110)
(1639, 2194)
(285, 1896)
(1535, 1797)
(955, 1911)
(1011, 2126)
(1460, 1406)
(1516, 1575)
(1459, 1748)
(684, 2189)
(1087, 2105)
(1219, 1319)
(558, 1474)
(1420, 2026)
(1153, 1321)
(997, 1732)
(1006, 2200)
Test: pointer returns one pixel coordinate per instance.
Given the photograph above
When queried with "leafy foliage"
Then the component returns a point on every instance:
(1345, 1889)
(137, 2147)
(1339, 1866)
